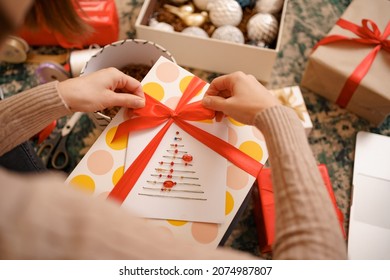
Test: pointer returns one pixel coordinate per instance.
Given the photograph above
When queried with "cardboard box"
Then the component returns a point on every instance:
(210, 54)
(264, 207)
(330, 65)
(292, 97)
(105, 163)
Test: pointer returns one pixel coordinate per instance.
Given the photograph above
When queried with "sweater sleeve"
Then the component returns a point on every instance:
(40, 218)
(306, 223)
(26, 113)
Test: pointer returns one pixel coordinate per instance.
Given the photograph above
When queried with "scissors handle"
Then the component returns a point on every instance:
(60, 158)
(47, 148)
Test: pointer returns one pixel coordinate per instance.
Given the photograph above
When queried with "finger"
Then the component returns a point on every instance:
(215, 103)
(219, 116)
(129, 113)
(216, 86)
(130, 85)
(125, 100)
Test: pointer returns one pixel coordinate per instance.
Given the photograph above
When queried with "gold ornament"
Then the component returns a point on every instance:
(187, 15)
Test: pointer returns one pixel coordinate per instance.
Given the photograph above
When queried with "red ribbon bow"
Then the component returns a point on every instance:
(156, 113)
(369, 34)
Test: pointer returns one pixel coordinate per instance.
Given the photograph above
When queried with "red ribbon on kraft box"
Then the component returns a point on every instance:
(155, 113)
(368, 34)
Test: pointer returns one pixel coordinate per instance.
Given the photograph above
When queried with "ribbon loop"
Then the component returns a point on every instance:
(155, 113)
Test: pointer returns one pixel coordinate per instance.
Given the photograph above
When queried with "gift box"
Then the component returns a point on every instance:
(350, 66)
(264, 207)
(119, 165)
(211, 54)
(102, 16)
(292, 97)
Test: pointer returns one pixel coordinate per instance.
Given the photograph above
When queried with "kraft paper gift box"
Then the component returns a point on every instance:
(264, 207)
(106, 165)
(336, 69)
(292, 97)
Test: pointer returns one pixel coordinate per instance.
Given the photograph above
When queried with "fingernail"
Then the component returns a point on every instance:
(206, 101)
(139, 103)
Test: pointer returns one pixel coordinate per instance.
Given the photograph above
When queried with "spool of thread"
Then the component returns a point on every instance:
(51, 71)
(79, 58)
(14, 50)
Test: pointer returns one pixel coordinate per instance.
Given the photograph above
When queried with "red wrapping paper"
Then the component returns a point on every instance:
(264, 207)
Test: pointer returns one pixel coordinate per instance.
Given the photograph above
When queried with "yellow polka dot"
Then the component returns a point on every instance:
(118, 144)
(177, 223)
(233, 121)
(206, 121)
(118, 173)
(252, 149)
(84, 183)
(229, 203)
(155, 90)
(185, 82)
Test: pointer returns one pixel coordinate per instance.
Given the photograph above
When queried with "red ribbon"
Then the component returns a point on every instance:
(368, 34)
(155, 113)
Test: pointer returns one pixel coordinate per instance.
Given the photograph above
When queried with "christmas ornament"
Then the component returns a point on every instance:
(173, 170)
(246, 3)
(229, 33)
(172, 163)
(201, 4)
(169, 176)
(170, 184)
(187, 15)
(262, 27)
(269, 6)
(176, 151)
(161, 25)
(195, 31)
(225, 12)
(185, 157)
(175, 197)
(176, 145)
(165, 189)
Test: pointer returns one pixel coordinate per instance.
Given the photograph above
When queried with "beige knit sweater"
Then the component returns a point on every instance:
(40, 218)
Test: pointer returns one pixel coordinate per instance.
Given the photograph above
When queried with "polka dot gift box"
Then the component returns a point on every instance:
(187, 174)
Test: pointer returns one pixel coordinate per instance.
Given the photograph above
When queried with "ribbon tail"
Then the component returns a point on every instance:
(223, 148)
(355, 78)
(132, 174)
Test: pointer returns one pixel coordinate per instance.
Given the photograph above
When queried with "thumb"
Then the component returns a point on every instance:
(216, 103)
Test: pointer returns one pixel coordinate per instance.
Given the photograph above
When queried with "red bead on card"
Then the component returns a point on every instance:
(187, 158)
(168, 184)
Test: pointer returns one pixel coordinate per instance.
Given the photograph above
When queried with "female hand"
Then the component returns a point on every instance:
(239, 96)
(102, 89)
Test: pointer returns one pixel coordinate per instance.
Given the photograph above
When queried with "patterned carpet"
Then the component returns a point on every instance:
(333, 136)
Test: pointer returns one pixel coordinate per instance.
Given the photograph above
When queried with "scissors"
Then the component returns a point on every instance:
(54, 149)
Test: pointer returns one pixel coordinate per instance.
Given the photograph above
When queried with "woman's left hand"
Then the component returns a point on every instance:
(102, 89)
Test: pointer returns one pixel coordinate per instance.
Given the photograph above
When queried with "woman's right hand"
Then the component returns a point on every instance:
(239, 96)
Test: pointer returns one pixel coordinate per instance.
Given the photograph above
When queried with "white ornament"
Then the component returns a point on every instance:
(195, 31)
(225, 12)
(201, 4)
(262, 27)
(269, 6)
(161, 25)
(228, 33)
